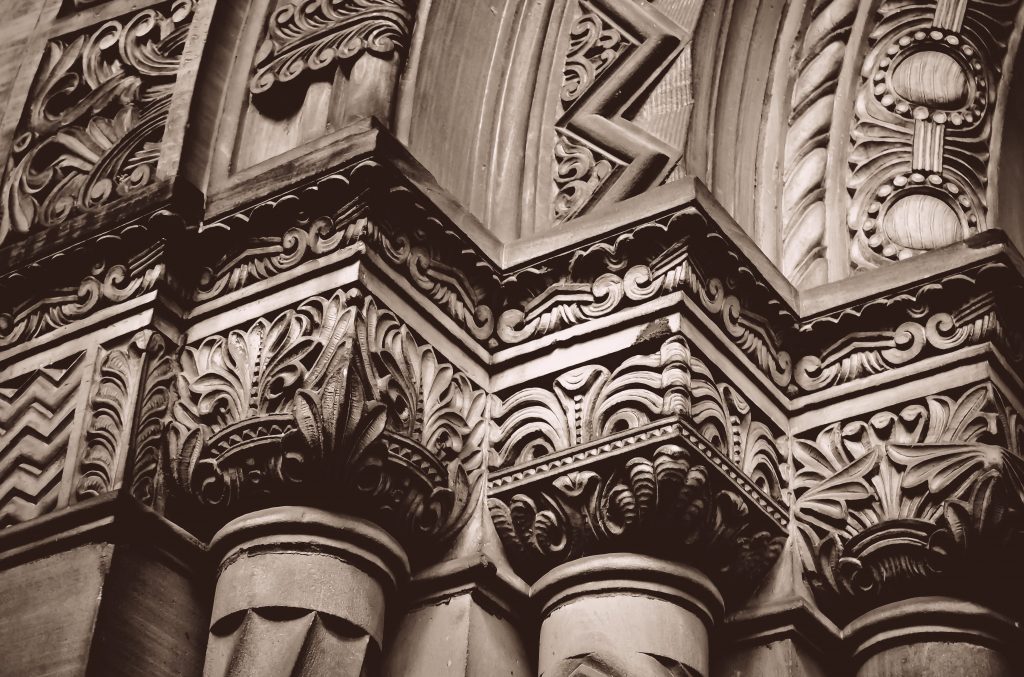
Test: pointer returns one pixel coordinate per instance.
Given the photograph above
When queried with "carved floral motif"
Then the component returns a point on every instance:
(330, 403)
(652, 455)
(902, 503)
(303, 36)
(91, 133)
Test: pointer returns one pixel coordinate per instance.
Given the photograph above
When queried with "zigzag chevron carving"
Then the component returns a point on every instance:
(36, 413)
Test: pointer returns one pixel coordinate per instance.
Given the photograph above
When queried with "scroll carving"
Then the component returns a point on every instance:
(91, 133)
(304, 36)
(36, 415)
(107, 283)
(919, 158)
(903, 503)
(330, 403)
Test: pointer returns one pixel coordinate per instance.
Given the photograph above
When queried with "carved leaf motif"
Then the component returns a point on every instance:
(309, 35)
(96, 117)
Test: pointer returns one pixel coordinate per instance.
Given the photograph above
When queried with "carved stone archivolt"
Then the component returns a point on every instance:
(924, 499)
(304, 36)
(336, 404)
(90, 135)
(922, 125)
(653, 457)
(615, 50)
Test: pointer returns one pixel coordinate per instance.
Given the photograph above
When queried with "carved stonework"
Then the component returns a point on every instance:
(304, 36)
(91, 131)
(107, 283)
(922, 127)
(653, 457)
(37, 413)
(923, 500)
(154, 407)
(961, 310)
(111, 411)
(616, 48)
(811, 121)
(333, 404)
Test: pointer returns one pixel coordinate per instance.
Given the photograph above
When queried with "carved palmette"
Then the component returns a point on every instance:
(330, 404)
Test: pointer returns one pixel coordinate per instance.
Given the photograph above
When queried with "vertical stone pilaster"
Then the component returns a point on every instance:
(625, 615)
(301, 591)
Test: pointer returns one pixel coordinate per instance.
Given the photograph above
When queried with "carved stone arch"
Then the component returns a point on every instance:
(1006, 168)
(741, 64)
(284, 77)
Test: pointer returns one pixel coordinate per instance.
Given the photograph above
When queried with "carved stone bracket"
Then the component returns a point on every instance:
(652, 457)
(334, 404)
(924, 500)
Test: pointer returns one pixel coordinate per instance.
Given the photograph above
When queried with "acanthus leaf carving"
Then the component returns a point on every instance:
(111, 414)
(885, 507)
(331, 404)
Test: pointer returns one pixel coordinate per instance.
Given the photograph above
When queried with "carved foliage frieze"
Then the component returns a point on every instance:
(304, 36)
(912, 500)
(37, 413)
(91, 131)
(334, 402)
(922, 126)
(654, 455)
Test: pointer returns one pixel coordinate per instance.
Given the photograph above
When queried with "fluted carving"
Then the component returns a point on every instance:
(287, 641)
(36, 415)
(332, 403)
(90, 134)
(922, 500)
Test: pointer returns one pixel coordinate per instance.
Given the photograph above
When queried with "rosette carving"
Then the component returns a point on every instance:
(334, 405)
(913, 502)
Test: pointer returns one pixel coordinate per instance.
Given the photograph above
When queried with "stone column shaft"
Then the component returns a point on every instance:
(627, 615)
(301, 592)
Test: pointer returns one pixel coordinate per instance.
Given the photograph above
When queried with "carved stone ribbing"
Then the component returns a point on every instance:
(650, 458)
(335, 404)
(923, 500)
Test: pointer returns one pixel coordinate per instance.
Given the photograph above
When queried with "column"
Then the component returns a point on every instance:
(934, 637)
(301, 591)
(625, 614)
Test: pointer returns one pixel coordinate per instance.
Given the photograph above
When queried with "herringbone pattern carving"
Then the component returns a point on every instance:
(36, 415)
